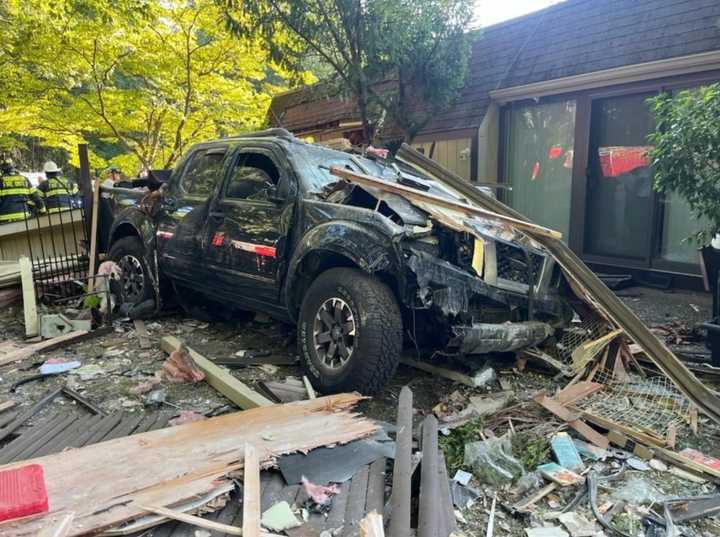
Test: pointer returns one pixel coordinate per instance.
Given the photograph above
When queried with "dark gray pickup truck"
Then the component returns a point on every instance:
(258, 222)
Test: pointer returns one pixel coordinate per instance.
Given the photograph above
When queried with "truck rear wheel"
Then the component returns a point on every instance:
(136, 285)
(349, 332)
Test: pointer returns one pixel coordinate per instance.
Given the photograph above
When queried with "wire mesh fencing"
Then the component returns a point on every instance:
(650, 405)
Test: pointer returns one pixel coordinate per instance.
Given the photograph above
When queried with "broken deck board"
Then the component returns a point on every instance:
(171, 465)
(220, 379)
(573, 420)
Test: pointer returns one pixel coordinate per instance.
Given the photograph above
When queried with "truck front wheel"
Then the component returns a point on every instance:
(129, 254)
(349, 332)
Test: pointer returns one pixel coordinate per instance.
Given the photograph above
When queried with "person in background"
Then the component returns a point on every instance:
(59, 193)
(18, 197)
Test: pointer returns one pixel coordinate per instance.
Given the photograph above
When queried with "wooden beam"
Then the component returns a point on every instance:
(572, 419)
(28, 350)
(29, 299)
(439, 371)
(219, 378)
(7, 405)
(251, 492)
(412, 194)
(193, 520)
(93, 236)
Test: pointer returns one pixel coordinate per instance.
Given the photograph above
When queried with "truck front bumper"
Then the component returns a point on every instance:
(484, 338)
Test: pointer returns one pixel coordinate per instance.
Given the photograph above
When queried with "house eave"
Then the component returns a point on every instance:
(681, 65)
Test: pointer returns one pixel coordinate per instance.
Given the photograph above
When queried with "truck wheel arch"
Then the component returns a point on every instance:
(320, 251)
(123, 230)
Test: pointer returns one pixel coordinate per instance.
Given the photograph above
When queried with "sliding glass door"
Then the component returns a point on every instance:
(620, 198)
(539, 160)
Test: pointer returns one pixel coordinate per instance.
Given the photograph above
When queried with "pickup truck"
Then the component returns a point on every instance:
(258, 222)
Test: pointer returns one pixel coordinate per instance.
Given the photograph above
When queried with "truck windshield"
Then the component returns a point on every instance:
(316, 162)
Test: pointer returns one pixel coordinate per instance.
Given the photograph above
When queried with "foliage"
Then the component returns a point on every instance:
(686, 156)
(91, 302)
(139, 80)
(530, 449)
(400, 59)
(453, 445)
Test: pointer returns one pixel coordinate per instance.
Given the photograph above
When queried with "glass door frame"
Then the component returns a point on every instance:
(578, 206)
(578, 197)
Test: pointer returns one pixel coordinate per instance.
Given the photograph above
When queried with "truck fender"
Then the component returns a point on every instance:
(133, 222)
(336, 243)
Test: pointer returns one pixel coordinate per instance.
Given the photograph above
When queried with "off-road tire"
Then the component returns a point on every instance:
(133, 247)
(378, 332)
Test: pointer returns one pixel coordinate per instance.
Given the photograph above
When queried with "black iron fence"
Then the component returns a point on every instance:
(57, 244)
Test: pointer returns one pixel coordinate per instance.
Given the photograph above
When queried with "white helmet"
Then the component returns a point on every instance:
(50, 167)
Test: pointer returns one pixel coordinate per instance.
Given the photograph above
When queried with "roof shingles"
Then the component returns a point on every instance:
(567, 39)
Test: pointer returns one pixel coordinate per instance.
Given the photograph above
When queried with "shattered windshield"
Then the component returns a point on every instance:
(315, 163)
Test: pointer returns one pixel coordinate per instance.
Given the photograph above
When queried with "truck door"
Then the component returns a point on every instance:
(181, 233)
(248, 227)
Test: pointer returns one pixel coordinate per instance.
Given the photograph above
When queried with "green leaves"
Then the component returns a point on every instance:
(686, 157)
(140, 80)
(402, 59)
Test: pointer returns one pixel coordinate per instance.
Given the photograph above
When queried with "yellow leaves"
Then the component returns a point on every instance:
(138, 86)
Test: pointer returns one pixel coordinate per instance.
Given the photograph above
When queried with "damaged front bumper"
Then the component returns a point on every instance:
(484, 338)
(453, 290)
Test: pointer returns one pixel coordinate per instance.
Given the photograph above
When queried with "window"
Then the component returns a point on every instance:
(203, 172)
(539, 161)
(254, 177)
(619, 190)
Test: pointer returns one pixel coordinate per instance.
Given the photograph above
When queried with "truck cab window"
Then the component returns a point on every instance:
(254, 177)
(203, 172)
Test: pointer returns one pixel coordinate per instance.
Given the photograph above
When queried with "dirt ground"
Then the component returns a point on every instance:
(114, 364)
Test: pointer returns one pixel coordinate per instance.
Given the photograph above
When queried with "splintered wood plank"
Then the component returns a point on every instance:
(219, 378)
(356, 503)
(251, 492)
(105, 483)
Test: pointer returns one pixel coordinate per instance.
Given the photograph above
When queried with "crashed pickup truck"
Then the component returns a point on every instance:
(263, 222)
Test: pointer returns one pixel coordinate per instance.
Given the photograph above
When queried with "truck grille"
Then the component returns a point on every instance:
(512, 264)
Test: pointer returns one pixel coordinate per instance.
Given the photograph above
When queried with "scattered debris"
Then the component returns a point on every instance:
(186, 416)
(56, 366)
(492, 461)
(576, 525)
(320, 495)
(566, 453)
(279, 518)
(337, 464)
(557, 474)
(180, 367)
(218, 378)
(22, 492)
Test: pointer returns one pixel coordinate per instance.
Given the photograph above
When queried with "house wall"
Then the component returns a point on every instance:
(455, 153)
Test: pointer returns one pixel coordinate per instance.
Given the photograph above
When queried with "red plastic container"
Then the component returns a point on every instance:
(22, 492)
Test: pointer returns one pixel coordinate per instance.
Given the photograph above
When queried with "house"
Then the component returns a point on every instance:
(554, 110)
